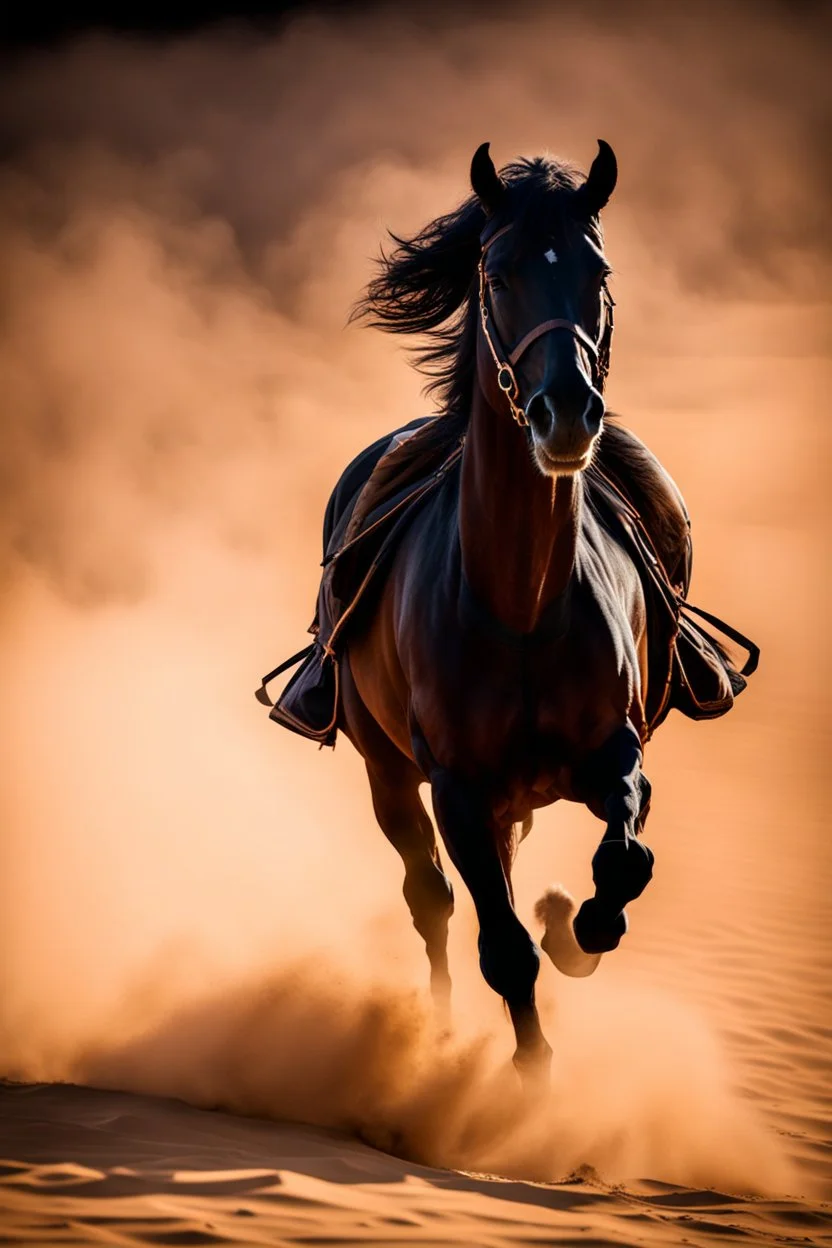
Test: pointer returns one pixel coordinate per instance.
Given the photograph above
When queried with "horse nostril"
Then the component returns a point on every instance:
(593, 412)
(541, 413)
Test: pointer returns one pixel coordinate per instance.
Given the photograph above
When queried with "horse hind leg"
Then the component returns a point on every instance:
(427, 890)
(623, 865)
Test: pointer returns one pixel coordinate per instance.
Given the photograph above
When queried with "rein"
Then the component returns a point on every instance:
(505, 361)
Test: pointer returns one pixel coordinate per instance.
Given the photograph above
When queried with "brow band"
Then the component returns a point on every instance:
(487, 239)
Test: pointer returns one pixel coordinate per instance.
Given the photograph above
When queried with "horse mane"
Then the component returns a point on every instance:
(426, 284)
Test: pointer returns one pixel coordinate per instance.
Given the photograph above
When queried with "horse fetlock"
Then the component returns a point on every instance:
(533, 1060)
(597, 928)
(623, 807)
(621, 870)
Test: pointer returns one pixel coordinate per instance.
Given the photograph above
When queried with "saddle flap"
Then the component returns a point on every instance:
(309, 703)
(705, 682)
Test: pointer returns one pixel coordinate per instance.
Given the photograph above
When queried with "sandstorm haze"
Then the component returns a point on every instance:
(183, 228)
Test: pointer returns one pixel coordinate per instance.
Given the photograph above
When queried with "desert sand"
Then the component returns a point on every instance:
(103, 1167)
(214, 1023)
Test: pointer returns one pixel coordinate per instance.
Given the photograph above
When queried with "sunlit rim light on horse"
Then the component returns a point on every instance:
(509, 627)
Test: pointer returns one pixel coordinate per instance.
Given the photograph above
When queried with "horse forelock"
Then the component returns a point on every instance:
(427, 284)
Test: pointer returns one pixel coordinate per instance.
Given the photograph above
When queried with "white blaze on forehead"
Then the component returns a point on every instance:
(551, 256)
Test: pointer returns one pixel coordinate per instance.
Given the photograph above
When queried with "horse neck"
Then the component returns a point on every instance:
(518, 528)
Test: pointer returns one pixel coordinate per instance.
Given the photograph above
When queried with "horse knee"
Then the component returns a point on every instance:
(622, 804)
(509, 961)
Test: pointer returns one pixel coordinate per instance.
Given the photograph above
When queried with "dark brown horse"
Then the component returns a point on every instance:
(505, 660)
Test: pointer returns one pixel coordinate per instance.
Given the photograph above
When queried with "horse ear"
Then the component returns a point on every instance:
(601, 180)
(487, 183)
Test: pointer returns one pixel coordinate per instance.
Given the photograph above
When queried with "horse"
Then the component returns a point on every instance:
(506, 659)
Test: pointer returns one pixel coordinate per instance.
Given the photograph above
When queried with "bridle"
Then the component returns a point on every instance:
(505, 361)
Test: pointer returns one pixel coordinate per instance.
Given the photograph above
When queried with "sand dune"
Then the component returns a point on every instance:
(103, 1167)
(733, 1095)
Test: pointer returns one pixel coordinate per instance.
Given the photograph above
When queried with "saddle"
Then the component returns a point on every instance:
(375, 500)
(689, 669)
(380, 493)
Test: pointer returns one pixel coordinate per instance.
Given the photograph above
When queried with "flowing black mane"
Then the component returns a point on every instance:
(426, 284)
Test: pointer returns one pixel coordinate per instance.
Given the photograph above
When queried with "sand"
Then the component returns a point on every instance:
(727, 1083)
(101, 1167)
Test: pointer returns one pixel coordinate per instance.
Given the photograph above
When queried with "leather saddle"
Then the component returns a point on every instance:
(381, 491)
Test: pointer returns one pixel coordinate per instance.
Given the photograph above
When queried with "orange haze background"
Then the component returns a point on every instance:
(195, 902)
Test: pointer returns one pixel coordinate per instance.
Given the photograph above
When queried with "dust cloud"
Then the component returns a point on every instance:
(196, 903)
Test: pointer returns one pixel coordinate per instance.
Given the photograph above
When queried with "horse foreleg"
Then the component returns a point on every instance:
(427, 890)
(509, 958)
(622, 865)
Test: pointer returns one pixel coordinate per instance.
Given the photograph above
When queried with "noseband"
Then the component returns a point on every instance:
(505, 361)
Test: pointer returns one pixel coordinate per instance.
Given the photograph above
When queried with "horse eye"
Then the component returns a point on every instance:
(495, 282)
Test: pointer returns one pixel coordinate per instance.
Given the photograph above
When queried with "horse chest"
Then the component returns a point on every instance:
(526, 714)
(523, 712)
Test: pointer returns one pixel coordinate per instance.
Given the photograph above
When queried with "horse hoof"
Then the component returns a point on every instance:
(555, 910)
(596, 930)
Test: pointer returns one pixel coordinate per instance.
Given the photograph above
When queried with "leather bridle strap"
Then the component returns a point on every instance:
(556, 323)
(504, 360)
(505, 373)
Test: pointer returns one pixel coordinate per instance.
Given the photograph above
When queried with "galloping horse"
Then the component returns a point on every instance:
(506, 658)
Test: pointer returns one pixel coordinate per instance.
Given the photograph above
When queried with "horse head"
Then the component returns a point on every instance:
(545, 310)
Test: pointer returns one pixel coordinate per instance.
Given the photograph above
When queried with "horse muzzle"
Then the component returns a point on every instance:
(564, 433)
